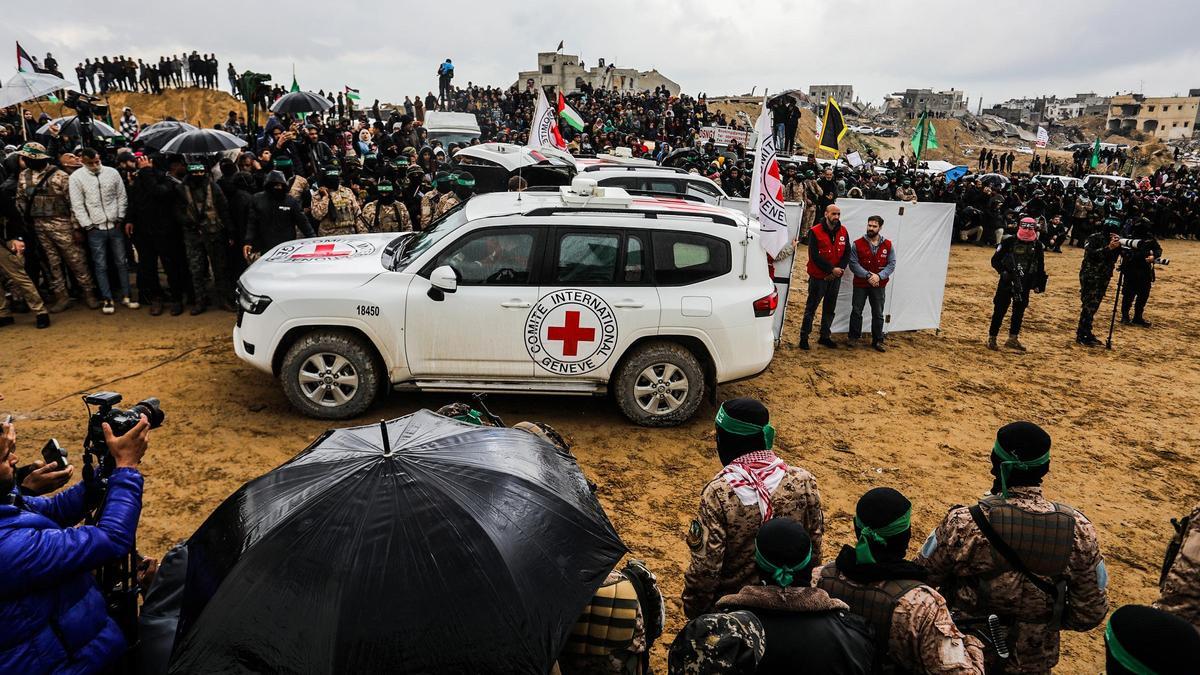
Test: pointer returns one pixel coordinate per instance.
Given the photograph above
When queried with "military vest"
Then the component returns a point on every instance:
(607, 623)
(874, 602)
(44, 203)
(1044, 541)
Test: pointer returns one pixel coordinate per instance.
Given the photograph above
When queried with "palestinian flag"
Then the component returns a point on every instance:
(352, 94)
(24, 61)
(567, 114)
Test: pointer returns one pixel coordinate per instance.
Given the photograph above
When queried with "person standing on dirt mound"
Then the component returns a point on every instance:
(754, 486)
(1033, 563)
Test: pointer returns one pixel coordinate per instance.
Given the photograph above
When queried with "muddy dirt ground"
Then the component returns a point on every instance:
(920, 418)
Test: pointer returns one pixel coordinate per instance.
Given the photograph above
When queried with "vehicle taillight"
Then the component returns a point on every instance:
(765, 306)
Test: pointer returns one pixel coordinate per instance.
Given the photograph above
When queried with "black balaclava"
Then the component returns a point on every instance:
(783, 552)
(463, 185)
(284, 166)
(730, 446)
(275, 185)
(38, 164)
(1027, 442)
(1142, 639)
(877, 509)
(331, 179)
(386, 191)
(442, 181)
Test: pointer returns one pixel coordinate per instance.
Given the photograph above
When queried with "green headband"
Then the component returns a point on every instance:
(740, 428)
(867, 534)
(195, 167)
(782, 575)
(386, 187)
(283, 161)
(1009, 461)
(472, 417)
(1129, 661)
(464, 182)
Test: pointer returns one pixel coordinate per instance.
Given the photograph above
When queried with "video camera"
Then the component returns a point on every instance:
(1143, 246)
(86, 108)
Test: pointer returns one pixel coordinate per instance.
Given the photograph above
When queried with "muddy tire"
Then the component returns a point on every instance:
(661, 384)
(331, 375)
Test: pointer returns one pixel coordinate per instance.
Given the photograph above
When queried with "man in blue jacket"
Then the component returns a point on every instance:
(51, 611)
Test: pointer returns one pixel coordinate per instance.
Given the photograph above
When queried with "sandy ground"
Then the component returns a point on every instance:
(920, 418)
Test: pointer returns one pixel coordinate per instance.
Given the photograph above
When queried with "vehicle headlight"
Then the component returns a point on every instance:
(251, 303)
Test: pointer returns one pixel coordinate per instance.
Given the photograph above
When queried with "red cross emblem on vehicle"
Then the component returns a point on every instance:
(325, 251)
(571, 334)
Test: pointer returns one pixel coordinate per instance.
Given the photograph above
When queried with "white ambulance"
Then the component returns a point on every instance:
(585, 290)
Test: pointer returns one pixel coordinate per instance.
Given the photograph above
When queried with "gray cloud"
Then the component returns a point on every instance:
(997, 49)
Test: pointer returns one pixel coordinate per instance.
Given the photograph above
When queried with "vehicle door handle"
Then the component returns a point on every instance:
(629, 304)
(516, 304)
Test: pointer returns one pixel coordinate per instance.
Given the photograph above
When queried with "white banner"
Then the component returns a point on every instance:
(723, 135)
(1043, 138)
(766, 188)
(921, 235)
(543, 129)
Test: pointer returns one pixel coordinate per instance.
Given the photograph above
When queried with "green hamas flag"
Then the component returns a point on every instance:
(1095, 153)
(295, 84)
(924, 136)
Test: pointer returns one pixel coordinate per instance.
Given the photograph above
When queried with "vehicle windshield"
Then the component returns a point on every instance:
(414, 246)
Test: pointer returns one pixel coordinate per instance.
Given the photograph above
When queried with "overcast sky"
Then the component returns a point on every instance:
(996, 50)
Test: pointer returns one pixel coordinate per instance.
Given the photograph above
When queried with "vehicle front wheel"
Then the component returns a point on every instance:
(661, 384)
(330, 374)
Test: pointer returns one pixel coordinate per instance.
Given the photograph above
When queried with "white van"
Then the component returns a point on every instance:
(452, 127)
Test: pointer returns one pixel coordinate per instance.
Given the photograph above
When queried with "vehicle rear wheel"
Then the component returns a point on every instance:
(661, 384)
(330, 374)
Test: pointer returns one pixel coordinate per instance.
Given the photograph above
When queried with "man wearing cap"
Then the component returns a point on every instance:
(722, 643)
(335, 208)
(754, 486)
(273, 218)
(1100, 252)
(1179, 584)
(912, 623)
(1034, 563)
(44, 199)
(206, 234)
(1143, 640)
(806, 629)
(386, 214)
(1020, 260)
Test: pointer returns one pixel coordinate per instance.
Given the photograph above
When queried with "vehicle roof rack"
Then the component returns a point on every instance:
(666, 195)
(645, 213)
(623, 167)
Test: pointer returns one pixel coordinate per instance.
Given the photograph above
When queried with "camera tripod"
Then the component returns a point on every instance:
(1112, 321)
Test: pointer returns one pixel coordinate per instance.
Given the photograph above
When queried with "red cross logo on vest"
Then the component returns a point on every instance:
(571, 334)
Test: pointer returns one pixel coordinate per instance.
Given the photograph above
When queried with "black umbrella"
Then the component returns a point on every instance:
(301, 102)
(441, 547)
(203, 141)
(156, 135)
(69, 127)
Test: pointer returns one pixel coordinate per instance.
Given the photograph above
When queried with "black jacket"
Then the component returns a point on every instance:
(807, 631)
(271, 222)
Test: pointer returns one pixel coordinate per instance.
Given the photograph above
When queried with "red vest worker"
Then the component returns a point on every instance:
(872, 261)
(828, 254)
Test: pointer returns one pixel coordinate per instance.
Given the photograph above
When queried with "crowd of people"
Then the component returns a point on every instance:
(104, 74)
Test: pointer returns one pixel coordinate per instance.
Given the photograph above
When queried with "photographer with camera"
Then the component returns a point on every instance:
(1100, 252)
(1137, 263)
(53, 612)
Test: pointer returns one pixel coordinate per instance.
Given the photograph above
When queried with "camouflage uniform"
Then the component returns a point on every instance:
(922, 637)
(392, 217)
(206, 240)
(299, 186)
(55, 228)
(720, 643)
(12, 271)
(337, 213)
(721, 539)
(812, 194)
(976, 580)
(793, 191)
(429, 202)
(1181, 582)
(447, 202)
(616, 661)
(906, 194)
(1094, 275)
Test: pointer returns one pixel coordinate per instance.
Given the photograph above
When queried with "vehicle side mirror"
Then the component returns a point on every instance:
(442, 280)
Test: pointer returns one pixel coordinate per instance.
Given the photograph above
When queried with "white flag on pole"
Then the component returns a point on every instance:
(766, 188)
(543, 130)
(1043, 138)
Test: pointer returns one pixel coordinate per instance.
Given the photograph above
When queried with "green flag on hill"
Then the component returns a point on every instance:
(1095, 153)
(924, 136)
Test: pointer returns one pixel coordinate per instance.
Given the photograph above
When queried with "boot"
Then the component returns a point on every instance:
(1139, 321)
(156, 308)
(1014, 344)
(199, 308)
(176, 308)
(43, 320)
(991, 343)
(6, 321)
(878, 346)
(60, 304)
(804, 342)
(827, 342)
(91, 300)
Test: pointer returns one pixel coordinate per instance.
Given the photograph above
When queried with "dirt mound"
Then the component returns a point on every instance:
(202, 107)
